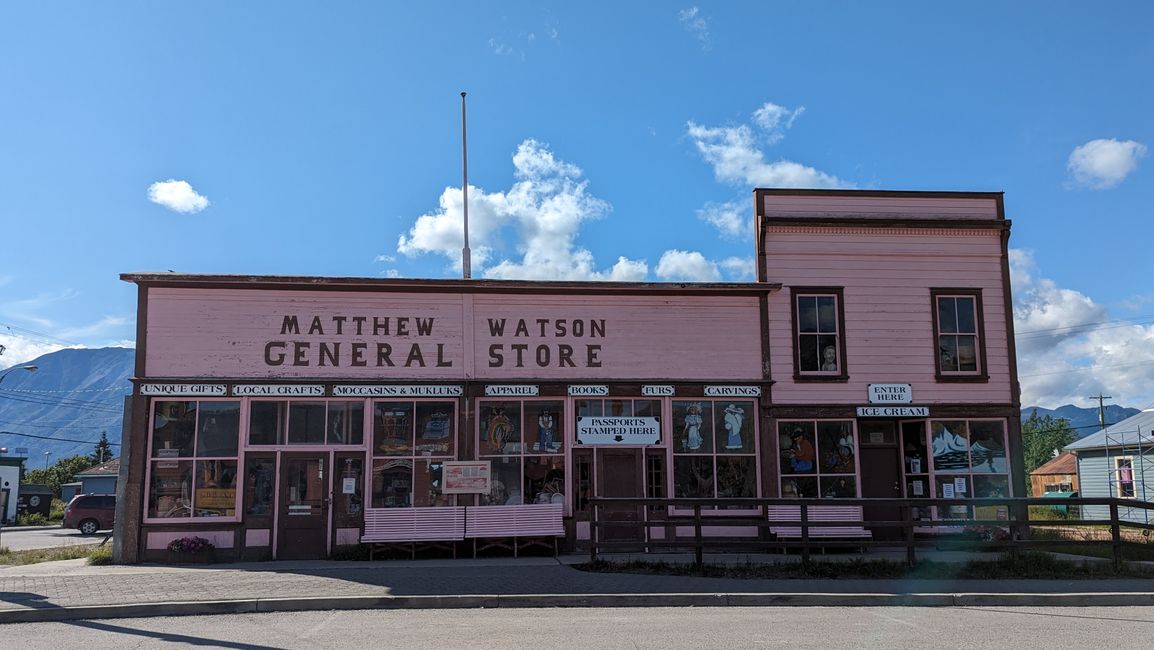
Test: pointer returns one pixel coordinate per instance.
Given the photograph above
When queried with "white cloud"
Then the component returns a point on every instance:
(739, 269)
(697, 25)
(18, 349)
(737, 158)
(388, 259)
(731, 219)
(1103, 164)
(539, 217)
(1069, 348)
(177, 196)
(499, 48)
(100, 327)
(687, 266)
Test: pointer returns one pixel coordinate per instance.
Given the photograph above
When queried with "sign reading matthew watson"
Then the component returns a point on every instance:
(618, 431)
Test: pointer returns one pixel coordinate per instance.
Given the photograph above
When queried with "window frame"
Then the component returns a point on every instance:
(413, 456)
(1117, 476)
(564, 438)
(714, 454)
(238, 457)
(838, 293)
(817, 474)
(982, 373)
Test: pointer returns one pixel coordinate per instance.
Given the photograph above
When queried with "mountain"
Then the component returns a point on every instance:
(1084, 421)
(72, 396)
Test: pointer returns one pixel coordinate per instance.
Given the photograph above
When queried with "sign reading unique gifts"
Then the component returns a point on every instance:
(465, 476)
(183, 390)
(618, 431)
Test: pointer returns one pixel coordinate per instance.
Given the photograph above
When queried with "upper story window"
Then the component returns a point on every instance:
(959, 333)
(819, 341)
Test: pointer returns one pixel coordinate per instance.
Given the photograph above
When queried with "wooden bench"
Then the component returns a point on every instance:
(394, 527)
(527, 525)
(531, 524)
(824, 514)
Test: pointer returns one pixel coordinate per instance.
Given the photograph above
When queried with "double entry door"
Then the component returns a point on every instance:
(313, 504)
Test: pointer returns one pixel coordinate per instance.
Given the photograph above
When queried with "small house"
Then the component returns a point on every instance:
(1118, 461)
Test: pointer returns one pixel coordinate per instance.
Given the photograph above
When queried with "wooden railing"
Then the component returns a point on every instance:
(649, 525)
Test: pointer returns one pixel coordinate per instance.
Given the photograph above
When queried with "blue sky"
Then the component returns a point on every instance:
(607, 140)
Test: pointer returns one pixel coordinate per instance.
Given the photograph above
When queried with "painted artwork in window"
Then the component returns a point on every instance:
(796, 441)
(957, 333)
(545, 428)
(694, 422)
(818, 459)
(393, 428)
(734, 428)
(500, 428)
(817, 334)
(988, 447)
(950, 444)
(835, 440)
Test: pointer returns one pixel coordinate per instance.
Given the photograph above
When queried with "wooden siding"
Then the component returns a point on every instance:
(224, 332)
(1095, 469)
(887, 275)
(879, 207)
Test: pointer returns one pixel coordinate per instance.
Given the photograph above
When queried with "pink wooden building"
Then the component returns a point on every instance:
(287, 417)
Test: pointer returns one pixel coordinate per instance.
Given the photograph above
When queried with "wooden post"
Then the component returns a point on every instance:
(1116, 536)
(698, 560)
(593, 534)
(908, 536)
(804, 534)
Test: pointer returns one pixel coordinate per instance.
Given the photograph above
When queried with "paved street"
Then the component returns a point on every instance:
(827, 628)
(23, 539)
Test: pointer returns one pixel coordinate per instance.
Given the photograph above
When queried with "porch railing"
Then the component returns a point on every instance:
(649, 525)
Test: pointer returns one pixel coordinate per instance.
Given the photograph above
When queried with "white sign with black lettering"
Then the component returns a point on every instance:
(733, 391)
(891, 393)
(278, 390)
(510, 391)
(588, 391)
(893, 411)
(658, 391)
(398, 391)
(183, 390)
(618, 431)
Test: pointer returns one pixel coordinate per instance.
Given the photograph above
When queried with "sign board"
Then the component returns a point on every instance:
(184, 390)
(216, 498)
(618, 431)
(511, 391)
(348, 486)
(733, 391)
(664, 390)
(588, 391)
(891, 393)
(398, 391)
(465, 476)
(893, 411)
(278, 390)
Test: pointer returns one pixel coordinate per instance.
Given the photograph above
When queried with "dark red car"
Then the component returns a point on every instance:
(89, 513)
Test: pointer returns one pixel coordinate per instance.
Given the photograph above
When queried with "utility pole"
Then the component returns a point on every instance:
(1101, 407)
(466, 264)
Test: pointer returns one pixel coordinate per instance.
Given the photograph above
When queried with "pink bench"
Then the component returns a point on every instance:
(824, 514)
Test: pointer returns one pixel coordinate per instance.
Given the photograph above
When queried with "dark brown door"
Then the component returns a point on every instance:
(619, 475)
(304, 507)
(880, 474)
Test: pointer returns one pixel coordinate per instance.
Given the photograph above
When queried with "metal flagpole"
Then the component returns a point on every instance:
(465, 264)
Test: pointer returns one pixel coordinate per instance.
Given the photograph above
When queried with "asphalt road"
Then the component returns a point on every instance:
(18, 539)
(827, 628)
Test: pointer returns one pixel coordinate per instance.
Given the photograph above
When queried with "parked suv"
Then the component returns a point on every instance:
(89, 513)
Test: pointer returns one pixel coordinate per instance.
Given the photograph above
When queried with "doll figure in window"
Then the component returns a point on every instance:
(692, 428)
(545, 427)
(801, 455)
(734, 415)
(498, 429)
(829, 359)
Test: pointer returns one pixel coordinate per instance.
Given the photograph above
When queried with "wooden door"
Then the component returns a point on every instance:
(619, 474)
(304, 506)
(880, 474)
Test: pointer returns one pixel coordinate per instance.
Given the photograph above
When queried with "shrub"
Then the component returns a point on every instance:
(31, 519)
(190, 544)
(100, 555)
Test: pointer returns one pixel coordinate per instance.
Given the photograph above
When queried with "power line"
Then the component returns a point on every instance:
(77, 390)
(1120, 323)
(62, 425)
(30, 435)
(39, 336)
(91, 406)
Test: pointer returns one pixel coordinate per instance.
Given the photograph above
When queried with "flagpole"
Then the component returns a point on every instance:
(465, 264)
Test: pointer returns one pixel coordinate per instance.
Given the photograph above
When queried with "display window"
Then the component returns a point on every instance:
(966, 459)
(411, 441)
(524, 441)
(193, 459)
(818, 459)
(819, 341)
(958, 332)
(301, 422)
(714, 449)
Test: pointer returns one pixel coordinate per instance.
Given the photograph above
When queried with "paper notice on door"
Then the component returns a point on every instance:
(960, 485)
(349, 486)
(947, 490)
(919, 489)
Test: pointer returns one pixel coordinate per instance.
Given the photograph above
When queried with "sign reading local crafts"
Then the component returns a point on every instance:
(662, 390)
(398, 391)
(274, 390)
(618, 431)
(891, 393)
(733, 391)
(182, 390)
(588, 391)
(893, 411)
(465, 476)
(511, 390)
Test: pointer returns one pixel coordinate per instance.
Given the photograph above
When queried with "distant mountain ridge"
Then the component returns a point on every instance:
(1084, 421)
(74, 394)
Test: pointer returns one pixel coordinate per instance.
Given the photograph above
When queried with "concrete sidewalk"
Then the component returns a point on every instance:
(72, 590)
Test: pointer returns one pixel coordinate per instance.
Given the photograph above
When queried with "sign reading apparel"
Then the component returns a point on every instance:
(618, 431)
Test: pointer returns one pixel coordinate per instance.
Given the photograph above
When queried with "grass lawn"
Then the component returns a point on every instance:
(37, 555)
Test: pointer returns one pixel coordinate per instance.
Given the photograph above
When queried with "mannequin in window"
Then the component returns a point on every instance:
(829, 359)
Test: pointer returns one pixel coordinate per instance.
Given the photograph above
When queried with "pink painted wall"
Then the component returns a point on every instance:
(160, 540)
(879, 207)
(226, 333)
(886, 274)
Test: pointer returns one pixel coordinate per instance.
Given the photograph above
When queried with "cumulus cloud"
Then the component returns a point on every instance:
(1103, 164)
(1069, 347)
(731, 219)
(696, 24)
(177, 196)
(539, 218)
(18, 350)
(736, 155)
(689, 266)
(739, 269)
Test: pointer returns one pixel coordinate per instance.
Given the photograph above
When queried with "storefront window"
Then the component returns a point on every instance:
(411, 441)
(818, 459)
(524, 441)
(193, 470)
(969, 461)
(714, 449)
(260, 478)
(331, 422)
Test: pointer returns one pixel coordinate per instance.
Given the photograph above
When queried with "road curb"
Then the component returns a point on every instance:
(520, 601)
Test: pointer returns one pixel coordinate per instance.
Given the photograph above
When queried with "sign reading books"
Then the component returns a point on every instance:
(618, 431)
(465, 476)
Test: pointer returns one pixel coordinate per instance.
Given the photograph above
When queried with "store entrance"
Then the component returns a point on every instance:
(619, 475)
(304, 506)
(881, 473)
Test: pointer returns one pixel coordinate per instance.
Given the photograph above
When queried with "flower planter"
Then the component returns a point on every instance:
(207, 556)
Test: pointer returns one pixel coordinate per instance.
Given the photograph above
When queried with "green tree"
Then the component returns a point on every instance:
(1043, 437)
(63, 471)
(103, 451)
